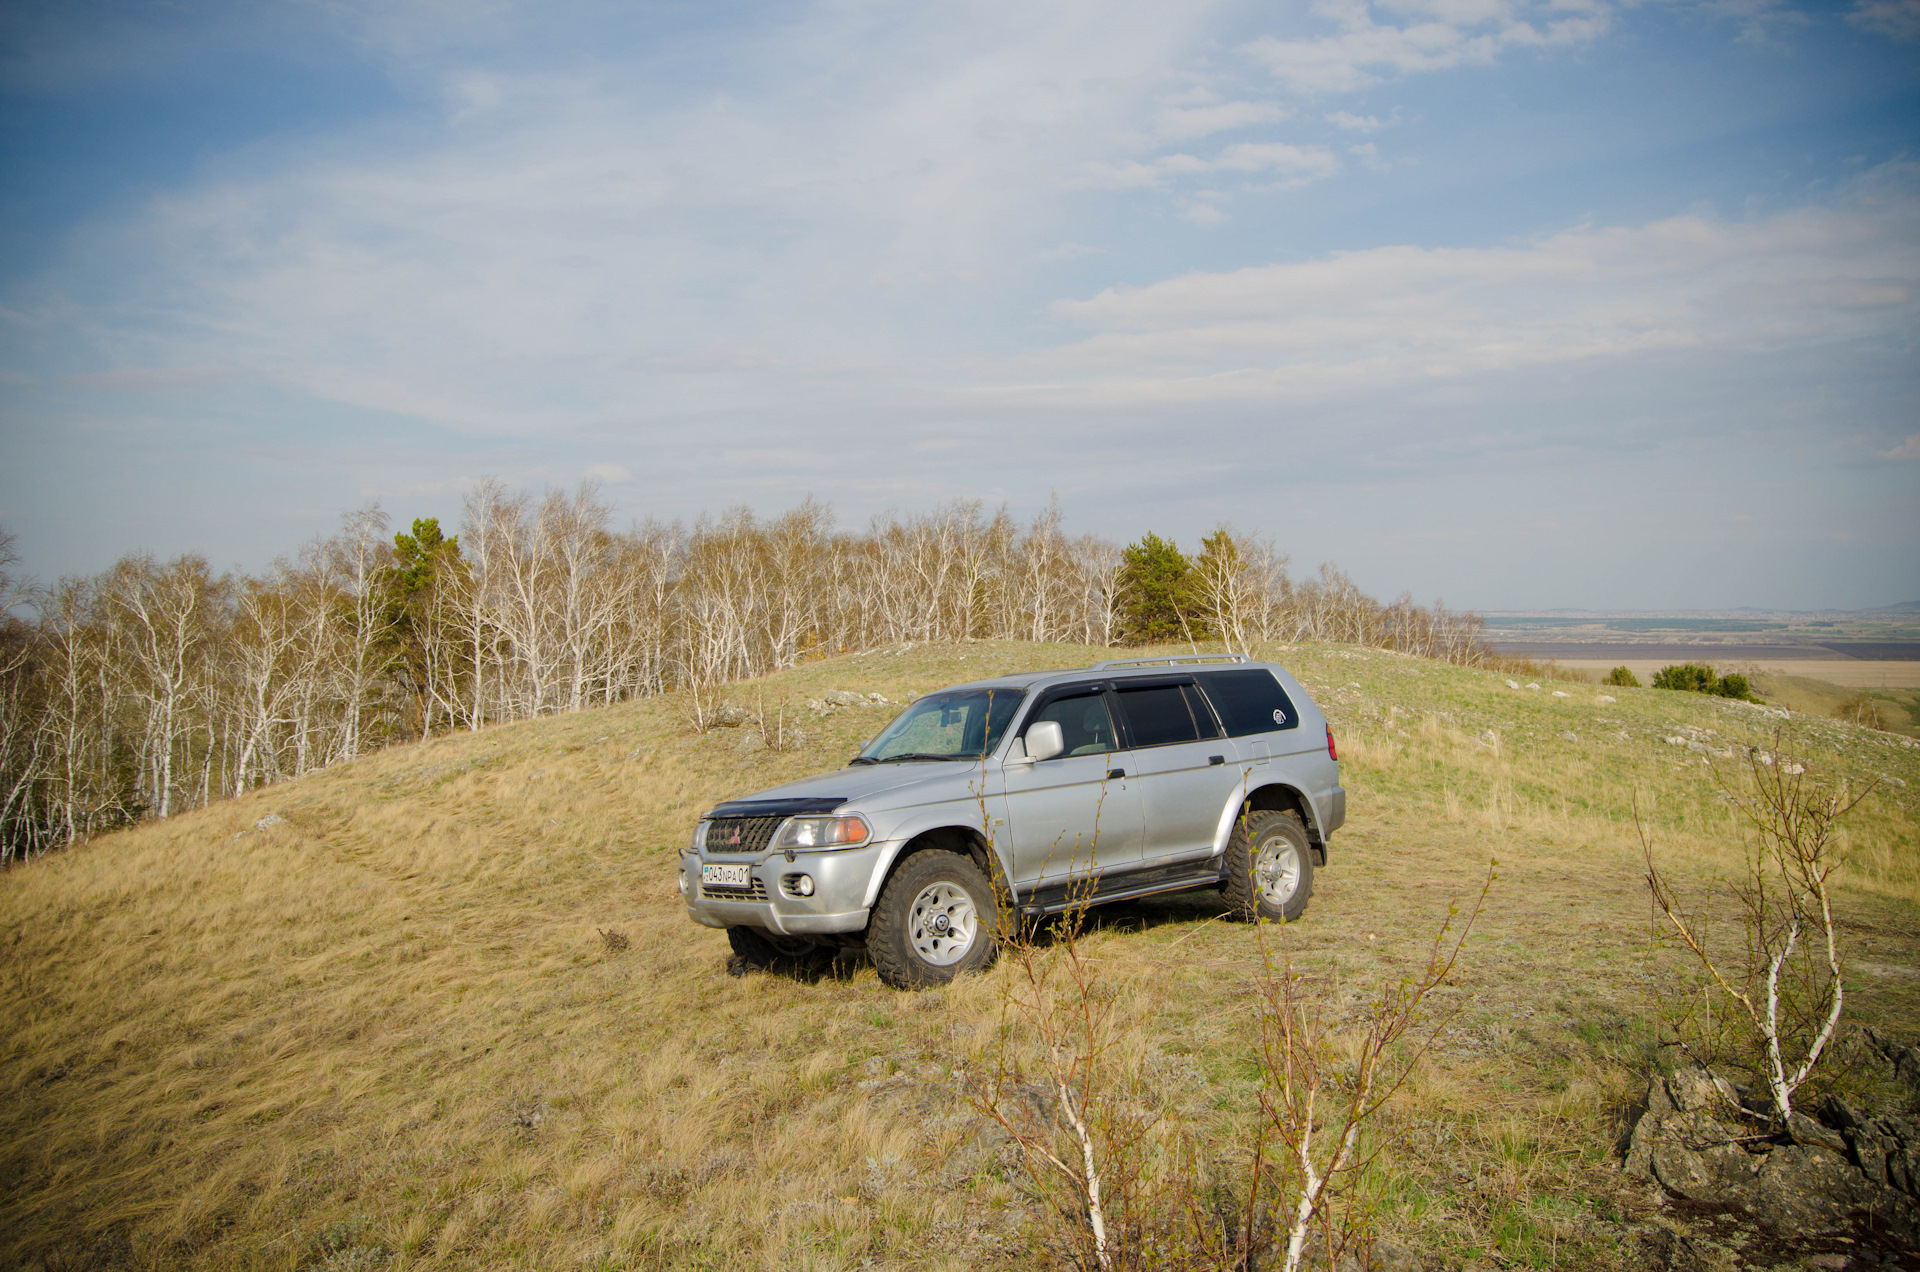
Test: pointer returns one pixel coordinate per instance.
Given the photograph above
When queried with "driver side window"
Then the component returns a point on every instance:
(1084, 722)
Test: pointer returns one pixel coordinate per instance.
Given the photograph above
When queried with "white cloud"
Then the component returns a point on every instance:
(1440, 35)
(552, 249)
(1186, 123)
(1203, 213)
(1908, 449)
(1354, 322)
(1069, 252)
(1897, 18)
(1357, 123)
(1289, 165)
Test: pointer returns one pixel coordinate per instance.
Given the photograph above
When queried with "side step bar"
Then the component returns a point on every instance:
(1100, 889)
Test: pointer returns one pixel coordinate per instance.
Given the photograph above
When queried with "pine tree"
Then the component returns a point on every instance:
(1158, 585)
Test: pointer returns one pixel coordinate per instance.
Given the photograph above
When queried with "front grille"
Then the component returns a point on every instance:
(741, 834)
(754, 891)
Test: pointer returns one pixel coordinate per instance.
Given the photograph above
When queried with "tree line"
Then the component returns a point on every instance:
(157, 686)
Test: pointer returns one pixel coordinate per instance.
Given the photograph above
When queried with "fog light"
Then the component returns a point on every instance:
(804, 885)
(683, 881)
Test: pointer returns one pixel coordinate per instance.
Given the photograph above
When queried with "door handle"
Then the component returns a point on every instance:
(1216, 759)
(1114, 775)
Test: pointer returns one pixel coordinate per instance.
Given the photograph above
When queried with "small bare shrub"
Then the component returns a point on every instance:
(1861, 709)
(700, 705)
(774, 730)
(1316, 1101)
(1119, 1169)
(1787, 983)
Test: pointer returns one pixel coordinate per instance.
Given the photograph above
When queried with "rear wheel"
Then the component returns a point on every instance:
(1269, 867)
(936, 918)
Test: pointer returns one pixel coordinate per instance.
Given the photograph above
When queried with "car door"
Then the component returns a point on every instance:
(1188, 771)
(1076, 814)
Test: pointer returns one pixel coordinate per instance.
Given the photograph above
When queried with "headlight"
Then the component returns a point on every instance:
(821, 832)
(699, 835)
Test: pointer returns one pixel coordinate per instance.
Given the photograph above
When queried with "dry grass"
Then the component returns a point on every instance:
(386, 1031)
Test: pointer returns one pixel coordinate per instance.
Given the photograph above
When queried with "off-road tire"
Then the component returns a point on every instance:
(932, 887)
(1258, 839)
(757, 950)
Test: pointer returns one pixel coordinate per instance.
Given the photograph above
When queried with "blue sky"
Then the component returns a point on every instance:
(1576, 303)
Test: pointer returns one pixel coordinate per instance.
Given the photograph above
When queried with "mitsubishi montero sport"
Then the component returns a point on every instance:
(1041, 791)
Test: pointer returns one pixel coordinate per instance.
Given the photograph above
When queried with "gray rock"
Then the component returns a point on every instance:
(1568, 735)
(271, 819)
(1812, 1134)
(1695, 1139)
(845, 698)
(1661, 1249)
(1698, 1091)
(730, 716)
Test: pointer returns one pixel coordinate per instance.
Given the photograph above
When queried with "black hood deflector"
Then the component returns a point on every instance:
(792, 807)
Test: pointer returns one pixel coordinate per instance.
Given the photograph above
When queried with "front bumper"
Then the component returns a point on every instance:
(838, 904)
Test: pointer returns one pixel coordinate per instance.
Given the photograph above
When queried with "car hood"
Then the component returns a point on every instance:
(874, 786)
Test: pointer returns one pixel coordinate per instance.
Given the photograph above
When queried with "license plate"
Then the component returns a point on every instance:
(717, 876)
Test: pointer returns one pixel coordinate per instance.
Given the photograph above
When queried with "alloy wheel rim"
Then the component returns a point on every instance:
(1277, 872)
(942, 923)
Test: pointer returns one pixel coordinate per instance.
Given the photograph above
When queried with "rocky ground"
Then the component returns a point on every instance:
(1835, 1188)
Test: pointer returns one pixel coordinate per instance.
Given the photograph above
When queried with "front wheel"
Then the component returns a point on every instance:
(936, 918)
(1269, 867)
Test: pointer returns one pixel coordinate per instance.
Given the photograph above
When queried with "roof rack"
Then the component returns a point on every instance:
(1169, 660)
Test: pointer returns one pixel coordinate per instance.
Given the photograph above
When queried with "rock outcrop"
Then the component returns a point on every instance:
(1704, 1139)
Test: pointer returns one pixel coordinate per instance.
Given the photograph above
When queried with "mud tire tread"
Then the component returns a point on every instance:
(1243, 902)
(887, 941)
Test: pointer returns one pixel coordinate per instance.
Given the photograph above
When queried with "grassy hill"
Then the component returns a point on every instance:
(1899, 709)
(368, 1020)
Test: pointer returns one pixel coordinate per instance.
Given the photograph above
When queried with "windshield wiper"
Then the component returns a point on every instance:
(861, 759)
(924, 755)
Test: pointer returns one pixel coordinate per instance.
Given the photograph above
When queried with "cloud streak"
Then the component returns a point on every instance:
(1361, 321)
(1434, 35)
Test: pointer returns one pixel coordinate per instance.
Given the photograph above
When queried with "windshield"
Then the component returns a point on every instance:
(962, 724)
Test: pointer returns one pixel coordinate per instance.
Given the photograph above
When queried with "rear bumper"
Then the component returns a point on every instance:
(1336, 809)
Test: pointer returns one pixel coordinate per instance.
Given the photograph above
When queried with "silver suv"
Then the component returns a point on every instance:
(1041, 792)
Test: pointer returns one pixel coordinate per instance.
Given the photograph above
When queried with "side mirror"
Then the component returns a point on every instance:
(1044, 740)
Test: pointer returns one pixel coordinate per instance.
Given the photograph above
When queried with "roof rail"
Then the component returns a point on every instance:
(1168, 660)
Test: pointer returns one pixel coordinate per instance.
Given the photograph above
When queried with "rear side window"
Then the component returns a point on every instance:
(1249, 702)
(1202, 718)
(1158, 715)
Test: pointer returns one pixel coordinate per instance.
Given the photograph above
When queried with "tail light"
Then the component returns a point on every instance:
(1331, 753)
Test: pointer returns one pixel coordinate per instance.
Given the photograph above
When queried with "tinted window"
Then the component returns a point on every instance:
(1202, 718)
(1249, 702)
(1084, 722)
(1158, 715)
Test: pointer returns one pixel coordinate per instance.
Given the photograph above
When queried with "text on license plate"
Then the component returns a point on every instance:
(715, 876)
